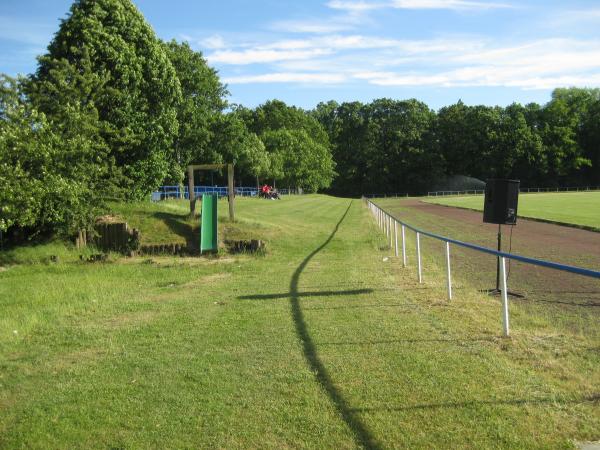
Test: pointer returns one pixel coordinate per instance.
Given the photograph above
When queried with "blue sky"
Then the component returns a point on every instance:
(303, 52)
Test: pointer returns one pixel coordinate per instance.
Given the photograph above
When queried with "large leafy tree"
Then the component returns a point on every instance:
(127, 80)
(297, 160)
(49, 173)
(590, 141)
(298, 147)
(200, 110)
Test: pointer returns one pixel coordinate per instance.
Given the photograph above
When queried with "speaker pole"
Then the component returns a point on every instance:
(498, 258)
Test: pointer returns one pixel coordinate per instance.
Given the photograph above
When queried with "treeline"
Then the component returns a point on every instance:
(112, 112)
(390, 146)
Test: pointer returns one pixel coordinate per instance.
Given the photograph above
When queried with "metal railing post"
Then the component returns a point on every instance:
(449, 278)
(396, 238)
(504, 296)
(387, 225)
(419, 257)
(391, 234)
(403, 247)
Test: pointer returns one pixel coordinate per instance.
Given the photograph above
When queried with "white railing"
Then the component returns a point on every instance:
(522, 190)
(389, 225)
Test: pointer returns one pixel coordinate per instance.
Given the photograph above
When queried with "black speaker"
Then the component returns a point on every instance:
(501, 199)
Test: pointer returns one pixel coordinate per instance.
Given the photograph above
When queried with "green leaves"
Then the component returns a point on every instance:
(46, 178)
(297, 146)
(106, 60)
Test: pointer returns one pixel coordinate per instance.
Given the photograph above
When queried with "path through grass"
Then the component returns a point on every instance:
(324, 342)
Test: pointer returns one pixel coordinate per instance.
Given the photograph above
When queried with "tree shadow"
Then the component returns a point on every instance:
(410, 341)
(179, 225)
(306, 294)
(362, 435)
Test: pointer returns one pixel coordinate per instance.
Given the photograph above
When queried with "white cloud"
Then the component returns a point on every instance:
(257, 56)
(349, 5)
(541, 64)
(213, 42)
(288, 77)
(356, 5)
(311, 26)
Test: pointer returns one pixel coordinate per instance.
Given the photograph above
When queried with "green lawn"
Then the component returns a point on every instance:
(324, 342)
(577, 208)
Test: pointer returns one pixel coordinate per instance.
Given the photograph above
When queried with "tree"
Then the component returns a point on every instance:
(562, 121)
(202, 104)
(48, 173)
(235, 144)
(297, 145)
(127, 80)
(590, 141)
(297, 160)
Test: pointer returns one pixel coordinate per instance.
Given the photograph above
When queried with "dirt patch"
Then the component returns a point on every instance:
(547, 241)
(130, 318)
(208, 279)
(177, 261)
(84, 356)
(109, 219)
(529, 234)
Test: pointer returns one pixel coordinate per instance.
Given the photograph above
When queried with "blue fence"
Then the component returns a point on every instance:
(165, 192)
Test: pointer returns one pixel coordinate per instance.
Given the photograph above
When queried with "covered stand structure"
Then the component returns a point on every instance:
(230, 187)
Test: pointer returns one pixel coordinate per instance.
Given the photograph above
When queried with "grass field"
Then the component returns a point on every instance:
(324, 342)
(577, 208)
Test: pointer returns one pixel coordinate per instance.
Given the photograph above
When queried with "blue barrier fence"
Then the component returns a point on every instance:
(222, 191)
(389, 225)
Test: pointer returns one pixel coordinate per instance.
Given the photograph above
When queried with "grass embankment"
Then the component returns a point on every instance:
(320, 344)
(576, 208)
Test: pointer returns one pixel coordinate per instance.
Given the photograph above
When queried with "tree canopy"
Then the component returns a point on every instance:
(106, 59)
(114, 112)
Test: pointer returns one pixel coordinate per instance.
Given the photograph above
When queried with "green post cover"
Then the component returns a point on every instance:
(208, 226)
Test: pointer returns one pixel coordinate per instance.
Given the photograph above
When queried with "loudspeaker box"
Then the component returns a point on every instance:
(501, 199)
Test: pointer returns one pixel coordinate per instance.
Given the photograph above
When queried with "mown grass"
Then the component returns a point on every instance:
(325, 342)
(577, 208)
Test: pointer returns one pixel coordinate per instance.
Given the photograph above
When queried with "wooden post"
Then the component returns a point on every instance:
(231, 192)
(191, 189)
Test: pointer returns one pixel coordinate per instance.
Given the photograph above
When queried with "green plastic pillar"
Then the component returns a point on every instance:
(209, 224)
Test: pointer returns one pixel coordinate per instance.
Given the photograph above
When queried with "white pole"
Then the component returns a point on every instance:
(448, 270)
(504, 295)
(391, 234)
(396, 238)
(419, 257)
(403, 248)
(385, 224)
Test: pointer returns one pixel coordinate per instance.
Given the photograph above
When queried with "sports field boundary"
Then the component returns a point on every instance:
(534, 219)
(388, 224)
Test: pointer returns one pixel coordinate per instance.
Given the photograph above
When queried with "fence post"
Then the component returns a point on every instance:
(419, 257)
(403, 247)
(391, 234)
(504, 296)
(396, 238)
(387, 225)
(448, 270)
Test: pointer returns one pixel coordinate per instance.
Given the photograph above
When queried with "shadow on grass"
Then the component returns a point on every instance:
(362, 435)
(594, 398)
(179, 225)
(306, 294)
(410, 341)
